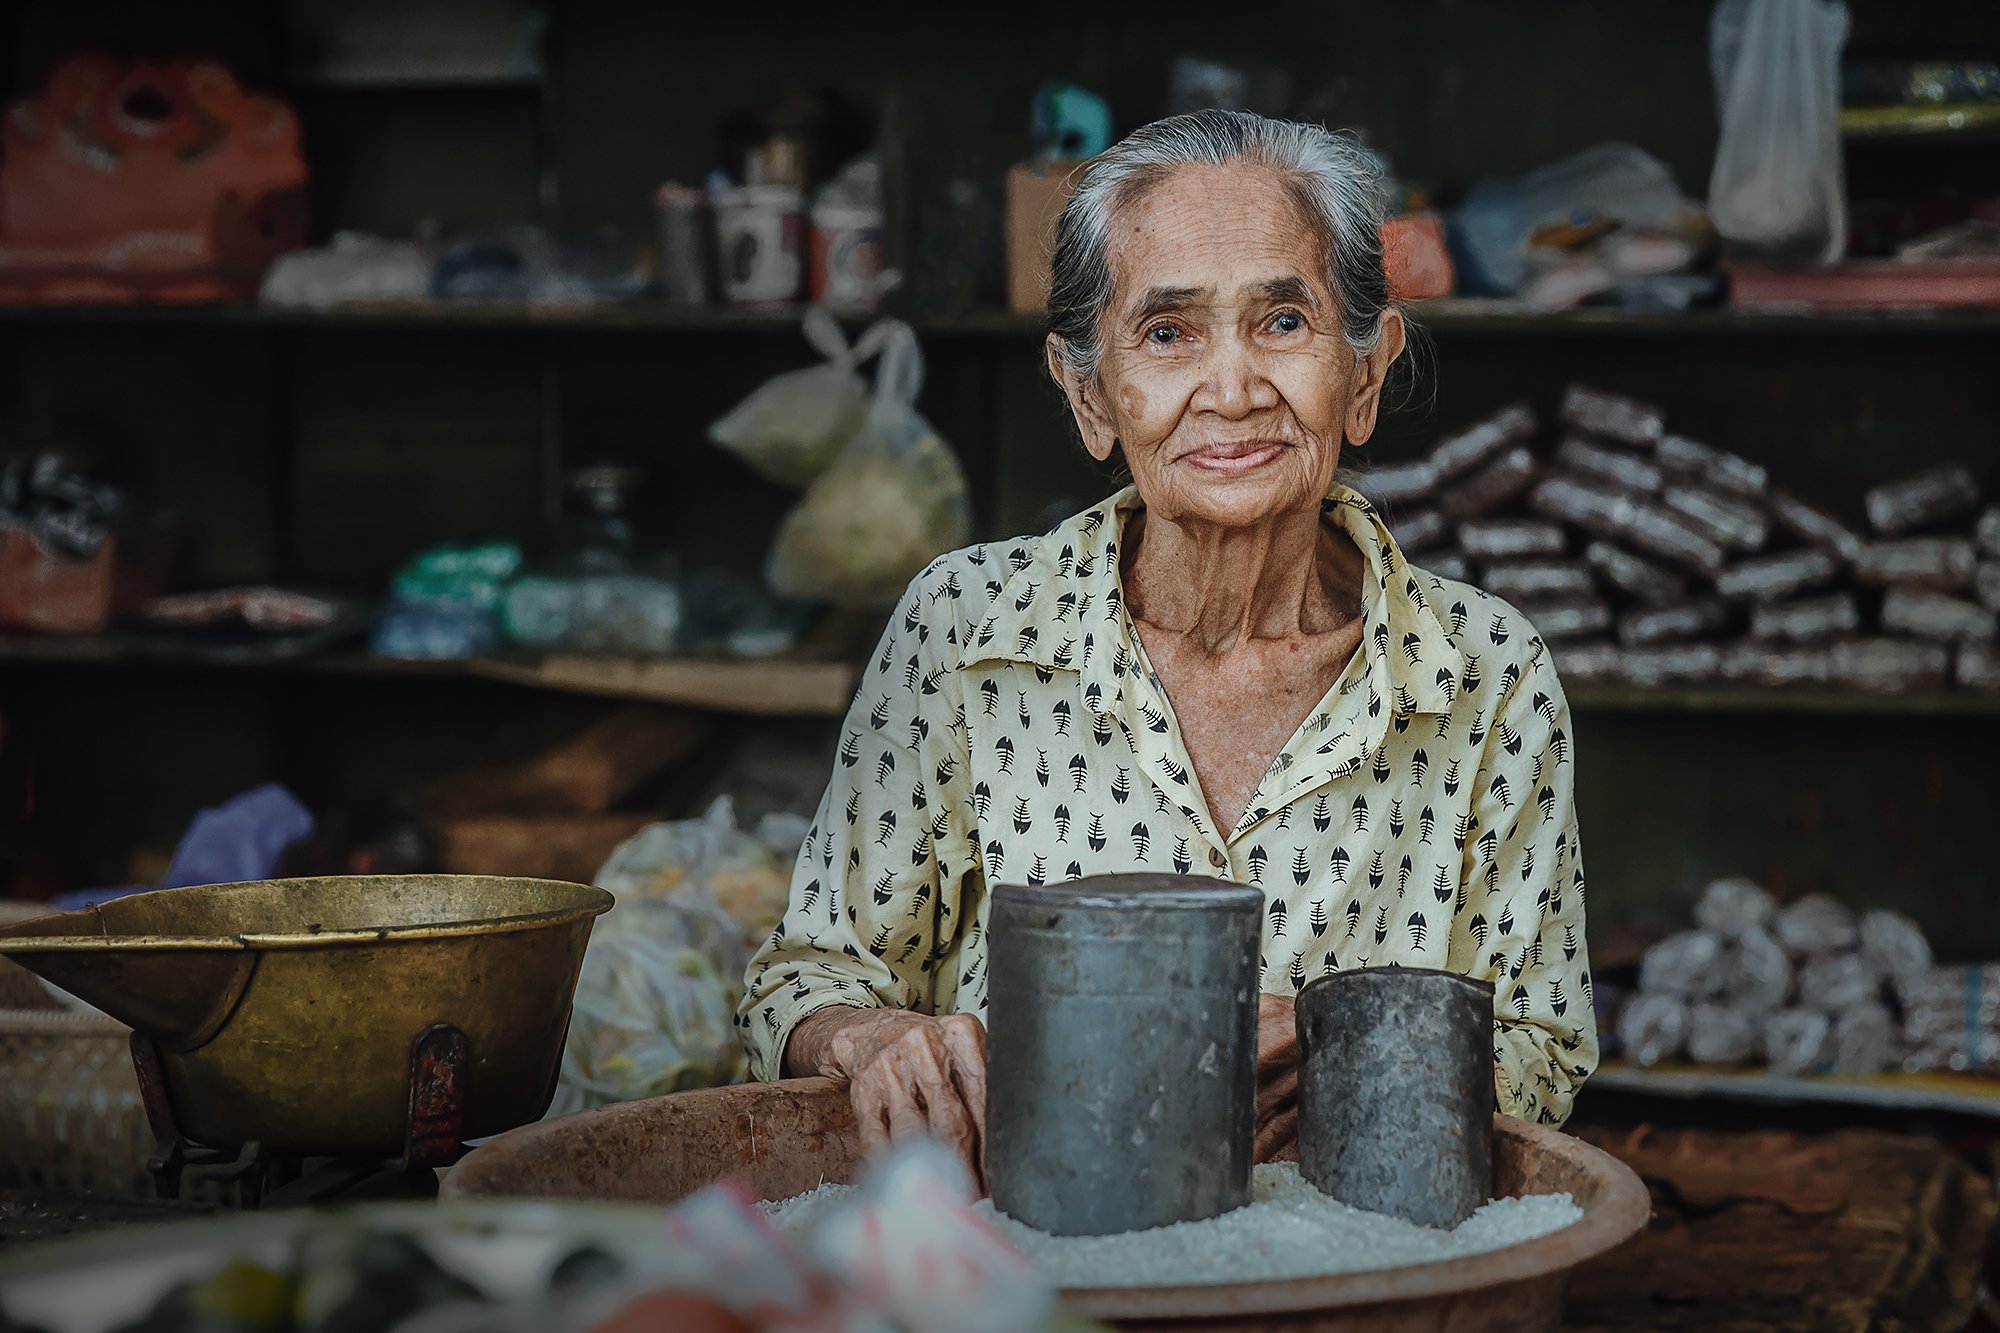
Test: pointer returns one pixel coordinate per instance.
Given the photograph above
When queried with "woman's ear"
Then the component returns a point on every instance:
(1100, 437)
(1371, 372)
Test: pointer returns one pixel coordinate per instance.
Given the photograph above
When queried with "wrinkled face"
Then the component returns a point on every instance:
(1224, 373)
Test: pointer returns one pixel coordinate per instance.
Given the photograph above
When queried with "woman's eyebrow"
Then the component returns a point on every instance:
(1290, 288)
(1164, 300)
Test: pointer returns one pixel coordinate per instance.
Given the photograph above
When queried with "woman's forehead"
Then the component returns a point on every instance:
(1212, 233)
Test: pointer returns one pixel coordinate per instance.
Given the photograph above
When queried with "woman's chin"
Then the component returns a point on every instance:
(1237, 497)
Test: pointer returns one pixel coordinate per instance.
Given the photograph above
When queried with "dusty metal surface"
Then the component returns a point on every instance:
(779, 1139)
(1121, 1051)
(284, 1010)
(1396, 1091)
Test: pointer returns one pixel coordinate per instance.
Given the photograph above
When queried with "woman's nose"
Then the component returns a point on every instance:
(1233, 381)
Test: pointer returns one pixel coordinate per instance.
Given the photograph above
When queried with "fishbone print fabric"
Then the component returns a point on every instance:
(1010, 729)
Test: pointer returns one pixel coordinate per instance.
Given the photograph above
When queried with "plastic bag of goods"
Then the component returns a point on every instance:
(1721, 1034)
(893, 500)
(1690, 963)
(1653, 1027)
(1777, 187)
(1894, 945)
(791, 426)
(1815, 924)
(746, 873)
(1729, 907)
(1758, 974)
(1795, 1040)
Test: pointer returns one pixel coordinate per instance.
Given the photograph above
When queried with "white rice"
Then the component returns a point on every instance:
(1289, 1230)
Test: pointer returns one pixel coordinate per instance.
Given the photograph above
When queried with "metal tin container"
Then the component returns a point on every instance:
(1121, 1051)
(1396, 1091)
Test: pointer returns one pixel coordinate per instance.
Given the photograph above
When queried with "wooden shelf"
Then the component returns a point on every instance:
(1965, 1094)
(1750, 699)
(771, 687)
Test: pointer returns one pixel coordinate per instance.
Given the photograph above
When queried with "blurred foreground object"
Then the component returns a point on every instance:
(1414, 258)
(1777, 189)
(146, 181)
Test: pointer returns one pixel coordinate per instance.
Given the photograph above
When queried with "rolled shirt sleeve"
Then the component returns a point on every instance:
(1525, 926)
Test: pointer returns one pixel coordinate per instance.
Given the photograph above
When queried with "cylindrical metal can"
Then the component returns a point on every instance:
(684, 244)
(1396, 1091)
(1121, 1051)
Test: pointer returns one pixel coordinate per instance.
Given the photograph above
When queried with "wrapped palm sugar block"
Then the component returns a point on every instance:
(1690, 620)
(1635, 576)
(1864, 1039)
(1492, 487)
(1796, 1040)
(1418, 528)
(1673, 664)
(1665, 534)
(1977, 666)
(1815, 924)
(1607, 512)
(1986, 533)
(1590, 662)
(1538, 580)
(1886, 666)
(1935, 615)
(1811, 620)
(1732, 906)
(1613, 417)
(1688, 963)
(1986, 584)
(1681, 457)
(1653, 1028)
(1727, 520)
(1837, 981)
(1814, 525)
(1397, 483)
(1946, 563)
(1772, 578)
(1570, 618)
(1479, 445)
(1894, 945)
(1775, 664)
(1928, 498)
(1509, 539)
(1625, 470)
(1720, 1034)
(1760, 972)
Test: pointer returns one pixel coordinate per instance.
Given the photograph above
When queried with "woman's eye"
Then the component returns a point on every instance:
(1163, 334)
(1288, 322)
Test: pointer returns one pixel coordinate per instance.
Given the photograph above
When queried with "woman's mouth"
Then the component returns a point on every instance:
(1233, 458)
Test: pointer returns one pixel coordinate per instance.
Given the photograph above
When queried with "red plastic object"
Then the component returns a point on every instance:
(1877, 283)
(146, 181)
(1414, 259)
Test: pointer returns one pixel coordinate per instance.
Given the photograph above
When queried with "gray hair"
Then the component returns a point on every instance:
(1333, 179)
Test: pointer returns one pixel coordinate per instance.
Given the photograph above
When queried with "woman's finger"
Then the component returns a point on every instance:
(1276, 1136)
(871, 1118)
(906, 1118)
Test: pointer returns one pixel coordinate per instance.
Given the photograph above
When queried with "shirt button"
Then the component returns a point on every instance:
(1217, 859)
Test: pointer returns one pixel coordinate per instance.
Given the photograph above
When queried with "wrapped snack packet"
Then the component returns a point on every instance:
(1894, 945)
(1617, 467)
(1734, 906)
(1773, 578)
(1492, 487)
(1509, 539)
(1775, 664)
(1919, 501)
(1529, 580)
(1809, 620)
(1635, 576)
(1417, 529)
(1690, 620)
(1668, 536)
(1986, 532)
(1986, 584)
(1815, 924)
(1759, 976)
(1977, 667)
(1888, 665)
(1947, 563)
(1864, 1039)
(1613, 417)
(1396, 483)
(1673, 664)
(1814, 525)
(1720, 1034)
(1951, 1016)
(1687, 963)
(1570, 618)
(1682, 457)
(1480, 444)
(1653, 1028)
(1727, 520)
(1589, 662)
(1448, 565)
(1936, 616)
(1795, 1040)
(1837, 981)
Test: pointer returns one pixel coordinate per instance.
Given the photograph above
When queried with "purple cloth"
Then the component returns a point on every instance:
(243, 838)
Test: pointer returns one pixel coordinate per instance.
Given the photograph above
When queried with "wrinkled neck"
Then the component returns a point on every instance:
(1223, 587)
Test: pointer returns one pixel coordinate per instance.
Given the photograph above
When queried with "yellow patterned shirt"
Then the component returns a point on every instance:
(1010, 729)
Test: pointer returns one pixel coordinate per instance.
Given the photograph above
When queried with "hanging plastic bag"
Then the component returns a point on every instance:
(1777, 188)
(893, 499)
(791, 426)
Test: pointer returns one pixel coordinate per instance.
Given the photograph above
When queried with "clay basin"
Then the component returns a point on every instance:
(780, 1139)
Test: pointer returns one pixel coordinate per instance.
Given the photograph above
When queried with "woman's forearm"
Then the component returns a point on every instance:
(806, 1048)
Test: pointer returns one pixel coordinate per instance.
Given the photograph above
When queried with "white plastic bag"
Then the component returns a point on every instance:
(893, 499)
(1777, 187)
(792, 425)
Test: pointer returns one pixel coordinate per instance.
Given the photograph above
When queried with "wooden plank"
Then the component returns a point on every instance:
(1965, 1094)
(771, 688)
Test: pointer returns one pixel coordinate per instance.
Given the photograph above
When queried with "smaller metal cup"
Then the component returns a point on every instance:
(1396, 1092)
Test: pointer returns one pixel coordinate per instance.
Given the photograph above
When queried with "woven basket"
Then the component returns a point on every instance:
(71, 1120)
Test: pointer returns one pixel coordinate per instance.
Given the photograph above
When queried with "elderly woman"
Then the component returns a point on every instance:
(1227, 669)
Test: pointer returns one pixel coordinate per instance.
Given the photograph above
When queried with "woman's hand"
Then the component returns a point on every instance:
(907, 1075)
(1277, 1077)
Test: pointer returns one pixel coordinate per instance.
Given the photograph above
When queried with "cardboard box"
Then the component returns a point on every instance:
(41, 591)
(1036, 193)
